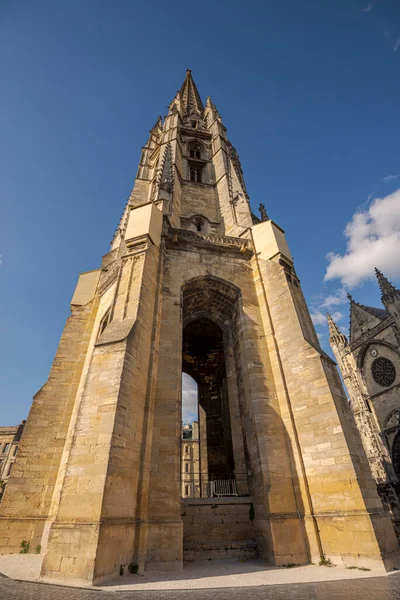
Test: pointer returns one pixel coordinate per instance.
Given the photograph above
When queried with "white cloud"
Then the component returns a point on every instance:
(189, 399)
(344, 329)
(373, 240)
(319, 318)
(338, 297)
(369, 7)
(337, 316)
(389, 178)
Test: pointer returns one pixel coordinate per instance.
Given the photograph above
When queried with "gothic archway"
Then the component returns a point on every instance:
(396, 453)
(211, 312)
(203, 359)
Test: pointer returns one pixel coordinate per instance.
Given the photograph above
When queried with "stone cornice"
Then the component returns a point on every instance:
(195, 133)
(208, 240)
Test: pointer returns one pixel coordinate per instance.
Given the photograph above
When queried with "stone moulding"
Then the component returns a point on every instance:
(369, 334)
(209, 240)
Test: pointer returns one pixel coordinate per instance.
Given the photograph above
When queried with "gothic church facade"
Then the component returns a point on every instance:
(370, 365)
(193, 282)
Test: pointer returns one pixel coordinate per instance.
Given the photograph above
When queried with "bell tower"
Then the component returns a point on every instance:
(194, 282)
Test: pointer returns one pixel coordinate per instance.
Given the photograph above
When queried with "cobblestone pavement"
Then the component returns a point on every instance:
(376, 588)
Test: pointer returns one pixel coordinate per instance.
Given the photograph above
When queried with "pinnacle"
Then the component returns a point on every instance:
(334, 331)
(263, 213)
(387, 288)
(157, 124)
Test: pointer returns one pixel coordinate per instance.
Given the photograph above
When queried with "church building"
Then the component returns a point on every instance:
(193, 282)
(369, 362)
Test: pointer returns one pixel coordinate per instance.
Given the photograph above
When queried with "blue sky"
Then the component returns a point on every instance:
(309, 92)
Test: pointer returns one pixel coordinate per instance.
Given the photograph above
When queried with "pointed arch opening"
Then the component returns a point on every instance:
(396, 453)
(211, 312)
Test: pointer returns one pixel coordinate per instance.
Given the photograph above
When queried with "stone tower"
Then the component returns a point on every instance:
(193, 282)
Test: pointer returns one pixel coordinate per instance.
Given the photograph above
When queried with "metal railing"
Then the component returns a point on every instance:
(221, 487)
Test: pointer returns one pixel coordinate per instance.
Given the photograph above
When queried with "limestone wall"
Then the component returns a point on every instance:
(30, 488)
(215, 528)
(344, 516)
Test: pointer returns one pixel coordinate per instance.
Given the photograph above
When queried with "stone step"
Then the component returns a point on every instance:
(244, 550)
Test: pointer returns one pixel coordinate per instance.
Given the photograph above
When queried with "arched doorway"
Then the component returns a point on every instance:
(216, 518)
(210, 355)
(203, 358)
(396, 453)
(391, 435)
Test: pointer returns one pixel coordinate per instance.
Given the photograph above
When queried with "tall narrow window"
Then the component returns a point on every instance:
(187, 467)
(195, 174)
(6, 448)
(199, 225)
(104, 322)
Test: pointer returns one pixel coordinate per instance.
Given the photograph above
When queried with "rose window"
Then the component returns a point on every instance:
(383, 371)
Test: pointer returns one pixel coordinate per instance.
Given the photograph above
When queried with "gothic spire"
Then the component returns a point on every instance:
(388, 290)
(190, 97)
(335, 335)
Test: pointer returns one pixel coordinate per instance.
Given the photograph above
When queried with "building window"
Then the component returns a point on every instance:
(15, 451)
(195, 150)
(199, 224)
(104, 322)
(187, 490)
(195, 174)
(186, 448)
(9, 469)
(6, 448)
(194, 124)
(187, 467)
(383, 371)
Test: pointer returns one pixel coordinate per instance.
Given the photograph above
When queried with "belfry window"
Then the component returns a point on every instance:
(199, 225)
(195, 174)
(195, 150)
